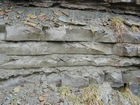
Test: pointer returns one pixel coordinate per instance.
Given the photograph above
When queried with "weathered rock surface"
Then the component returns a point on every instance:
(128, 37)
(74, 81)
(42, 48)
(85, 7)
(28, 33)
(66, 60)
(134, 87)
(96, 75)
(124, 1)
(51, 94)
(2, 29)
(131, 76)
(22, 33)
(115, 1)
(111, 97)
(127, 49)
(75, 51)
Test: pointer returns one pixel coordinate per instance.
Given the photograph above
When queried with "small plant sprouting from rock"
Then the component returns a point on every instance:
(118, 26)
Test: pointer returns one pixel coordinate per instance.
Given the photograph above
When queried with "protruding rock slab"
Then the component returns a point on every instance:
(115, 78)
(131, 76)
(102, 36)
(128, 37)
(99, 6)
(127, 49)
(8, 73)
(126, 1)
(20, 33)
(26, 33)
(116, 1)
(106, 94)
(66, 61)
(41, 48)
(114, 75)
(74, 81)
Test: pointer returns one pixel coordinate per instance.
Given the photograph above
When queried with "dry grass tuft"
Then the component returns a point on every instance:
(89, 96)
(127, 94)
(135, 29)
(118, 26)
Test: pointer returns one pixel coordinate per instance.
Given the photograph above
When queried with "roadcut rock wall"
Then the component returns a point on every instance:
(69, 47)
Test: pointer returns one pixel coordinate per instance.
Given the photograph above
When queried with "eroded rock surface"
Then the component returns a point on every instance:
(45, 49)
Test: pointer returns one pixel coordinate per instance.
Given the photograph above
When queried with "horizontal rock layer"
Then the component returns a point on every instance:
(76, 54)
(114, 75)
(127, 49)
(66, 60)
(46, 48)
(42, 48)
(124, 1)
(28, 33)
(21, 33)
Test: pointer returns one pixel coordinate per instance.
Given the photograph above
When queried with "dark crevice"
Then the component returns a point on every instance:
(57, 4)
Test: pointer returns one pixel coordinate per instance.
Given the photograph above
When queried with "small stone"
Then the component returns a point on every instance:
(17, 89)
(61, 103)
(74, 81)
(18, 16)
(47, 103)
(61, 100)
(41, 98)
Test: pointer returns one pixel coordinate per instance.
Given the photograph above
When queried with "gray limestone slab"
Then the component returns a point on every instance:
(42, 48)
(125, 49)
(66, 61)
(131, 76)
(26, 33)
(74, 81)
(111, 37)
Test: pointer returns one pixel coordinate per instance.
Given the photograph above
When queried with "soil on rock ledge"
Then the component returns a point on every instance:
(69, 54)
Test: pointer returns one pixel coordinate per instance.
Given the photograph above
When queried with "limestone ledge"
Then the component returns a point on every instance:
(66, 60)
(115, 76)
(124, 1)
(28, 33)
(126, 49)
(42, 48)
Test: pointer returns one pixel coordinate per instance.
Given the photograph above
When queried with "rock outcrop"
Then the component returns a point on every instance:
(124, 1)
(43, 48)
